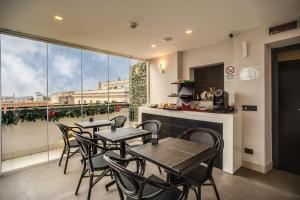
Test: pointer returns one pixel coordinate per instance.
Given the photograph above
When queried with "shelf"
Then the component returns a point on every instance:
(181, 96)
(185, 96)
(184, 83)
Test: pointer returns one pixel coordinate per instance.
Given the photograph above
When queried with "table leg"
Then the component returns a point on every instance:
(94, 136)
(171, 177)
(123, 149)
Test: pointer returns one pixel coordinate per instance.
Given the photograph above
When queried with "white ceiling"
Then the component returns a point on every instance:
(103, 24)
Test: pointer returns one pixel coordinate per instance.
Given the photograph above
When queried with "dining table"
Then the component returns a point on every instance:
(95, 125)
(175, 155)
(121, 135)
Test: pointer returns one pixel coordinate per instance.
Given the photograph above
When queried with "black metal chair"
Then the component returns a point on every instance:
(119, 121)
(92, 162)
(137, 187)
(154, 126)
(69, 143)
(200, 174)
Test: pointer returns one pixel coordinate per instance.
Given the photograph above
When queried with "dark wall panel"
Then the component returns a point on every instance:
(173, 127)
(206, 77)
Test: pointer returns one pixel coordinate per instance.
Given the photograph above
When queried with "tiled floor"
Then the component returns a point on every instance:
(29, 160)
(47, 182)
(37, 158)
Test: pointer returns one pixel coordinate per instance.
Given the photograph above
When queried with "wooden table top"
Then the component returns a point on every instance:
(122, 134)
(95, 123)
(173, 154)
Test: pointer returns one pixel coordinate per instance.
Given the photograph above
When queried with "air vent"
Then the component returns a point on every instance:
(283, 27)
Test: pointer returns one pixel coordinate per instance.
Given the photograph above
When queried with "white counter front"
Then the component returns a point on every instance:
(232, 132)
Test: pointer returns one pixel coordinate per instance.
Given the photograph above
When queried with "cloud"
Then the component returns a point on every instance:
(20, 46)
(21, 79)
(66, 66)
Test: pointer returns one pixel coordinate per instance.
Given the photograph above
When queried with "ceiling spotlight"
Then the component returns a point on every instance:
(188, 31)
(133, 25)
(153, 45)
(58, 18)
(167, 39)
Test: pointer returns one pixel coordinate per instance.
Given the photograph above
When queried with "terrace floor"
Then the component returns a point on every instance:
(29, 160)
(47, 181)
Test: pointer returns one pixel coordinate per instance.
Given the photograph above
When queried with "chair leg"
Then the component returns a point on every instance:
(199, 192)
(120, 193)
(196, 193)
(61, 157)
(80, 179)
(215, 187)
(67, 159)
(90, 185)
(159, 169)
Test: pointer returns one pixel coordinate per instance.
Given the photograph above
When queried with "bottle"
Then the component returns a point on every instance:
(113, 127)
(154, 139)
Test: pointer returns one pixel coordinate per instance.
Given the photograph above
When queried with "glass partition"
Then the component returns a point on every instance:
(94, 82)
(119, 86)
(44, 83)
(24, 102)
(64, 92)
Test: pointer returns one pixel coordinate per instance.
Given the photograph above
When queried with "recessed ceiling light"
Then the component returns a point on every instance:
(153, 45)
(167, 39)
(58, 18)
(188, 31)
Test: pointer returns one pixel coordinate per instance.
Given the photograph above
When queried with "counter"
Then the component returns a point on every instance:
(228, 125)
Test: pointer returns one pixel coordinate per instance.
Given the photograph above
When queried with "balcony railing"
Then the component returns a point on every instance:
(56, 112)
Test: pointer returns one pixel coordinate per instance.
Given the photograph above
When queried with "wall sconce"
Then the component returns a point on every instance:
(162, 67)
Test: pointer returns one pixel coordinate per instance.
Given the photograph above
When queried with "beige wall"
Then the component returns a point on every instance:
(221, 52)
(257, 126)
(160, 83)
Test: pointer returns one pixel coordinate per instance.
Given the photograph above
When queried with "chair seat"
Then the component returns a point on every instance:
(73, 143)
(170, 194)
(98, 161)
(196, 176)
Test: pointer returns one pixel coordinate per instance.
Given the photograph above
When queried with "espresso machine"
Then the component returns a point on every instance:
(221, 100)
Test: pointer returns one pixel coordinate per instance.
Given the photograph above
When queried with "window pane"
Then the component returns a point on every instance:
(24, 100)
(119, 86)
(64, 90)
(94, 81)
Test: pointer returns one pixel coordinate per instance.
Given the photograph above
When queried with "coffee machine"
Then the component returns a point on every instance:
(220, 100)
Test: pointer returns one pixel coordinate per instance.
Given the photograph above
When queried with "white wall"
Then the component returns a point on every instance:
(257, 126)
(160, 83)
(213, 54)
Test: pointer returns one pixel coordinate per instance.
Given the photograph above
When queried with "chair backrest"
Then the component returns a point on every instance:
(65, 132)
(154, 126)
(208, 137)
(131, 183)
(119, 121)
(84, 139)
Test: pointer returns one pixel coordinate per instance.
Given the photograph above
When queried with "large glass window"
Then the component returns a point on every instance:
(94, 82)
(44, 83)
(24, 102)
(64, 89)
(119, 86)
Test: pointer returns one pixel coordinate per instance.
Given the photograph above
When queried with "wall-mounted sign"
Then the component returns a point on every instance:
(229, 73)
(249, 73)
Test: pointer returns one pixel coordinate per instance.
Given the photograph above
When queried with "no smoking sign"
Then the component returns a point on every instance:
(229, 73)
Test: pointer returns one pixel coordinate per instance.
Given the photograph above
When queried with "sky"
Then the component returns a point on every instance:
(24, 67)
